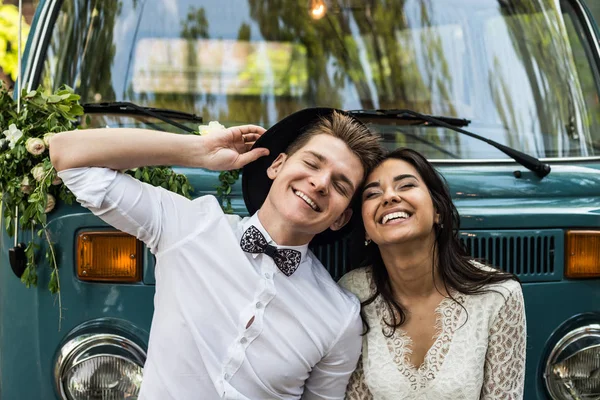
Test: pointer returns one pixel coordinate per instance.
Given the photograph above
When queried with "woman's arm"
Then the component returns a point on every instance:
(504, 370)
(124, 148)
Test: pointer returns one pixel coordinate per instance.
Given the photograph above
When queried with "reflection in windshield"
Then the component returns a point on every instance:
(508, 66)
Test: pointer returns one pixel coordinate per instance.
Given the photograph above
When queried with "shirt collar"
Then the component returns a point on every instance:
(254, 220)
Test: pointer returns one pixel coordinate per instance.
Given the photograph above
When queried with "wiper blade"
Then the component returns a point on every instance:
(533, 164)
(126, 107)
(411, 117)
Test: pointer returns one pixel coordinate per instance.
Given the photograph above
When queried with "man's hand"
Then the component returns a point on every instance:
(231, 148)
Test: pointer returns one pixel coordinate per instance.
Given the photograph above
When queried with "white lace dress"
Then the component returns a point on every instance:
(479, 357)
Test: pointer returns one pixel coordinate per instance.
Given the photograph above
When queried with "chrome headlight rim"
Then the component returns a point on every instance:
(77, 350)
(568, 346)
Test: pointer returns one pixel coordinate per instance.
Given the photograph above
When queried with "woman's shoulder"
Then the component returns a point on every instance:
(357, 281)
(506, 287)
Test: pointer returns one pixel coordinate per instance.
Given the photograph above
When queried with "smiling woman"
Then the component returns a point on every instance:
(407, 204)
(425, 300)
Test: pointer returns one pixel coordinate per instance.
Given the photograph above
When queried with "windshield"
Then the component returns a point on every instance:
(519, 70)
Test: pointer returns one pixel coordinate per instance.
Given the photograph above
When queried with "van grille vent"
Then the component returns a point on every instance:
(533, 255)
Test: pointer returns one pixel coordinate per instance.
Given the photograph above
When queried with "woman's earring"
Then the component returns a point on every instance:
(367, 242)
(441, 226)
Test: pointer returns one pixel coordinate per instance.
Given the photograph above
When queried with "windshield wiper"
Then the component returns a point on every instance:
(529, 162)
(124, 107)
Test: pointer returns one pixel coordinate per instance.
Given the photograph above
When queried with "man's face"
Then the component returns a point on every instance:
(313, 187)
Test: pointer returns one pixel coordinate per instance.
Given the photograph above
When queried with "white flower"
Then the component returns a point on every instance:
(26, 185)
(12, 135)
(47, 137)
(212, 126)
(50, 202)
(35, 146)
(38, 172)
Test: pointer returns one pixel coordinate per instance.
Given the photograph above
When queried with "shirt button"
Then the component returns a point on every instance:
(243, 340)
(259, 305)
(226, 377)
(268, 275)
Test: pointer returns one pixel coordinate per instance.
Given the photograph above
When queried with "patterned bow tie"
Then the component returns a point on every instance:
(287, 260)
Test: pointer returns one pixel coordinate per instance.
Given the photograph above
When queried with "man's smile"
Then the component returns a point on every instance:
(307, 199)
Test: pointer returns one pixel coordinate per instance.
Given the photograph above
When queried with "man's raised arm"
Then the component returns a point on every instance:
(124, 148)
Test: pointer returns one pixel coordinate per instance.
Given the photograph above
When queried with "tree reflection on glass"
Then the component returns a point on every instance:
(85, 47)
(557, 118)
(518, 69)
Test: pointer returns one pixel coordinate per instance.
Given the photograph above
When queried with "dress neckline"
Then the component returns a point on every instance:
(400, 344)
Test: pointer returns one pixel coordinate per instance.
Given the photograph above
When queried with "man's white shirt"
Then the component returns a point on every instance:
(304, 337)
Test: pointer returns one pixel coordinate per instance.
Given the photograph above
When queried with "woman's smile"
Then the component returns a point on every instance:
(394, 217)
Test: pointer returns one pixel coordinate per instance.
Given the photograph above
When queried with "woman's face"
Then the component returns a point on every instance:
(396, 205)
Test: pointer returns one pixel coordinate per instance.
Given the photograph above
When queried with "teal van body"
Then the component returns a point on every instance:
(509, 216)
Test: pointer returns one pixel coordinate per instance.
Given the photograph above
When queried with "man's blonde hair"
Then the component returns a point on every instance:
(360, 140)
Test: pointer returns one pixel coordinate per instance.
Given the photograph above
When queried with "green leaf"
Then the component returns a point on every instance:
(76, 110)
(53, 284)
(54, 99)
(25, 277)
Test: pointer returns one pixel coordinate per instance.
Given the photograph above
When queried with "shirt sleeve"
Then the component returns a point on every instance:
(504, 369)
(329, 378)
(357, 387)
(154, 215)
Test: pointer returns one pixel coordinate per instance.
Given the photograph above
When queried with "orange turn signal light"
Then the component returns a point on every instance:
(109, 256)
(582, 254)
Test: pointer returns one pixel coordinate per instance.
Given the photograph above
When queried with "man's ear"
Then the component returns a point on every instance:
(341, 220)
(276, 165)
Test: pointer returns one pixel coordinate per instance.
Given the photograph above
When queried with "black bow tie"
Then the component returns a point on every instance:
(287, 260)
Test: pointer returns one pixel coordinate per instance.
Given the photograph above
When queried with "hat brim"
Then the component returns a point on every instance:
(255, 181)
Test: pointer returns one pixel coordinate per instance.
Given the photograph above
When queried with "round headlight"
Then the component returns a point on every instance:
(99, 366)
(573, 367)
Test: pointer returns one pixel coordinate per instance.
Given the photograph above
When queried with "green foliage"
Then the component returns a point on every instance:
(9, 31)
(227, 179)
(30, 186)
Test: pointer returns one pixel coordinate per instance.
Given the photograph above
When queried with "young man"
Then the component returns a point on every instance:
(243, 310)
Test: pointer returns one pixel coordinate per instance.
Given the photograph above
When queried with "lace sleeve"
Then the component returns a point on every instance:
(504, 370)
(357, 387)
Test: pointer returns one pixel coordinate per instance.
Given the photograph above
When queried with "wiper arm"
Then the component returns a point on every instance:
(126, 107)
(533, 164)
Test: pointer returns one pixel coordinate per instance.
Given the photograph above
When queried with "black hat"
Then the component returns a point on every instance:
(255, 181)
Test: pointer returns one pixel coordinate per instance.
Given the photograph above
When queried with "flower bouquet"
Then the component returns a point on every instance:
(30, 187)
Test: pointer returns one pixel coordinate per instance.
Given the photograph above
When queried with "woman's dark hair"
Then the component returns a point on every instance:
(455, 266)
